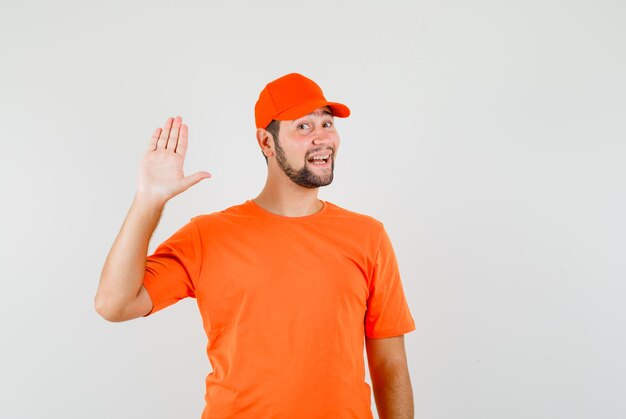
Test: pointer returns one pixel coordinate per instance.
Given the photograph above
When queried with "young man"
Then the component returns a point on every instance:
(288, 286)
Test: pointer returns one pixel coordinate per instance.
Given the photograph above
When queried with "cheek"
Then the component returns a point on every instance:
(297, 153)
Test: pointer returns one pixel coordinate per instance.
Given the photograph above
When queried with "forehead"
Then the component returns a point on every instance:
(319, 112)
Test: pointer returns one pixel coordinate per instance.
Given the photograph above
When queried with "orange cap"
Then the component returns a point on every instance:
(291, 97)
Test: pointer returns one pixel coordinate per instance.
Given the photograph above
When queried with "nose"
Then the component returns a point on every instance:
(322, 137)
(322, 140)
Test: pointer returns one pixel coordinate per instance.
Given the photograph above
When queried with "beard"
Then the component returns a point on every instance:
(304, 177)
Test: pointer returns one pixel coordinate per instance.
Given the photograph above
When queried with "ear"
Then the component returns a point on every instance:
(265, 140)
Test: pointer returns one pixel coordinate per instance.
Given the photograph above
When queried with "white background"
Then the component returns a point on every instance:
(488, 137)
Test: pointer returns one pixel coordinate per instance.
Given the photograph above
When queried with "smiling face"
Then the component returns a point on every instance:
(301, 141)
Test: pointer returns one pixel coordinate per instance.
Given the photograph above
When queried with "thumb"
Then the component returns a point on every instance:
(189, 181)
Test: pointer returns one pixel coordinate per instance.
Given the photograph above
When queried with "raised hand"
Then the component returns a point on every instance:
(161, 175)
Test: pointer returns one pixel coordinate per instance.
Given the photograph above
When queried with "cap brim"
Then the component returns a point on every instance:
(337, 109)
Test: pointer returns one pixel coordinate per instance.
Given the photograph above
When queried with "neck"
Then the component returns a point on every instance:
(288, 199)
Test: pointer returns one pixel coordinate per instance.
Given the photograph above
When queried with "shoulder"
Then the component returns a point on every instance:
(233, 214)
(356, 219)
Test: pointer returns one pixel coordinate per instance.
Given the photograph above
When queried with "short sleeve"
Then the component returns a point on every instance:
(174, 267)
(387, 311)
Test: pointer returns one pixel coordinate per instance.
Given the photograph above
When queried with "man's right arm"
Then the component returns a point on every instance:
(121, 295)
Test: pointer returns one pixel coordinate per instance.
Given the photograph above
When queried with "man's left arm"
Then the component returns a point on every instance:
(391, 382)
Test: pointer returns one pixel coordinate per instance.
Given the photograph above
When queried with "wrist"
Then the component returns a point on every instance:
(148, 202)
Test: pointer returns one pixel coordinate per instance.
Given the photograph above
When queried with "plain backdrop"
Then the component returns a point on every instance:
(487, 136)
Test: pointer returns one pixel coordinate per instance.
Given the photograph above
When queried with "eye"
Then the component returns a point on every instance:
(328, 124)
(304, 125)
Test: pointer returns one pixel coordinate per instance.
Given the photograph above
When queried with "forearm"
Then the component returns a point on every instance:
(124, 268)
(393, 392)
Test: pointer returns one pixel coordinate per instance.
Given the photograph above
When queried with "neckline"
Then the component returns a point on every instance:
(260, 210)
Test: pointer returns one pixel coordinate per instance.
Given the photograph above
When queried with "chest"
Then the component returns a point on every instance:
(283, 277)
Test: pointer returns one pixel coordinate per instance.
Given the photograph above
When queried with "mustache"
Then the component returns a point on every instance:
(332, 151)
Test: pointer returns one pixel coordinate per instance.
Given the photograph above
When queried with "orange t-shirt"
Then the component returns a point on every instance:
(286, 303)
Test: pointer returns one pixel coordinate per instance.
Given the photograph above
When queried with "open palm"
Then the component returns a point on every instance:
(161, 175)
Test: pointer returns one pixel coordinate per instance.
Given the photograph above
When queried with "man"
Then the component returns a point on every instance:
(288, 285)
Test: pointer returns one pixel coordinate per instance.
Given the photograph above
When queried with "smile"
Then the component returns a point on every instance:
(320, 161)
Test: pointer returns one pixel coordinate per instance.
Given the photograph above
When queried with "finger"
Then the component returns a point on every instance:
(189, 181)
(162, 142)
(154, 139)
(181, 148)
(173, 139)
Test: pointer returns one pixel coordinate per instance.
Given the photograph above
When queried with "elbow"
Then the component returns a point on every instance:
(107, 311)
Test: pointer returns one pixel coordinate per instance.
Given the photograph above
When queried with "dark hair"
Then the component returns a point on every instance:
(273, 128)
